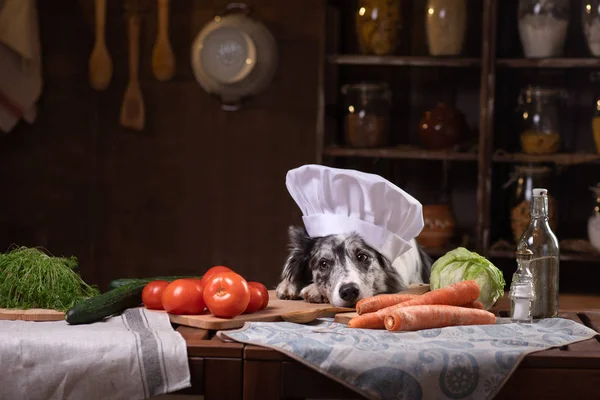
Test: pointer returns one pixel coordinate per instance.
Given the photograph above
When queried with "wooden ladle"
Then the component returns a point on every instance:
(100, 64)
(133, 114)
(163, 59)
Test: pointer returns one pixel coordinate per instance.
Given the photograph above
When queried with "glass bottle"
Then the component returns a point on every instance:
(522, 291)
(544, 264)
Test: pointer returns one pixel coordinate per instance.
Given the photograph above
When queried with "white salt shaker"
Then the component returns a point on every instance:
(522, 291)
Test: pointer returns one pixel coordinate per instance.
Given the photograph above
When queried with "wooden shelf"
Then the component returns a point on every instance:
(549, 62)
(411, 61)
(559, 159)
(585, 257)
(400, 152)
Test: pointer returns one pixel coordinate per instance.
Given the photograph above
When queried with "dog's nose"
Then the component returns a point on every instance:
(349, 292)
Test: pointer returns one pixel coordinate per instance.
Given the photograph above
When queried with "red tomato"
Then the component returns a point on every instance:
(256, 300)
(227, 295)
(152, 294)
(183, 296)
(265, 293)
(213, 271)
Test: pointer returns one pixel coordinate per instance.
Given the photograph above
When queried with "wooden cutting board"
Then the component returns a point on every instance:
(277, 310)
(34, 314)
(344, 318)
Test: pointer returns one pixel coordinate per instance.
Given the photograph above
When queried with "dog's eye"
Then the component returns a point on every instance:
(362, 257)
(323, 264)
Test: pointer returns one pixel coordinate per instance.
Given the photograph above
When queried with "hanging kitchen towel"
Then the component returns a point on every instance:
(20, 62)
(132, 356)
(466, 362)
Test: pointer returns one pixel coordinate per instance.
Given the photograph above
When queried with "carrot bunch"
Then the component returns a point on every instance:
(452, 305)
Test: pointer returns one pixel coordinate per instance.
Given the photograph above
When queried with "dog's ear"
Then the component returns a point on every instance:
(296, 267)
(298, 237)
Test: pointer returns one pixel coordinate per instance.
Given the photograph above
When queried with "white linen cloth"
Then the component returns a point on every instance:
(20, 62)
(131, 356)
(342, 201)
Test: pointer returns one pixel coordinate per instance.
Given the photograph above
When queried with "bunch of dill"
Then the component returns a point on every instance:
(30, 278)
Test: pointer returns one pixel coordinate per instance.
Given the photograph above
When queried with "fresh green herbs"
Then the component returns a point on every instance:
(30, 278)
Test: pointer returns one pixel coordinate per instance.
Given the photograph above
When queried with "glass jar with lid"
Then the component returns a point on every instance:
(539, 111)
(524, 179)
(543, 27)
(378, 24)
(367, 114)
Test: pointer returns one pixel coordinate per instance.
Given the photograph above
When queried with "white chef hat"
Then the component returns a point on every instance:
(342, 201)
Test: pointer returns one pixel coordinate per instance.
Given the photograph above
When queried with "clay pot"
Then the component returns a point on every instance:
(442, 128)
(439, 226)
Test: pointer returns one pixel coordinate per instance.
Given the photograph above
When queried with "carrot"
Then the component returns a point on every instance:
(456, 294)
(371, 304)
(476, 304)
(415, 318)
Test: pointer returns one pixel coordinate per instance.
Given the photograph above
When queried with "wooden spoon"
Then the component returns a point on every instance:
(163, 60)
(132, 110)
(100, 64)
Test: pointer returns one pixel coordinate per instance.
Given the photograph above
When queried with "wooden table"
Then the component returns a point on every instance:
(236, 371)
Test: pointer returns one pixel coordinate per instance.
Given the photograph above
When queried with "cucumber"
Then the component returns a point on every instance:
(126, 281)
(108, 303)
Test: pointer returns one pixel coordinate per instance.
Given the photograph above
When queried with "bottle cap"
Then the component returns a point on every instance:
(537, 192)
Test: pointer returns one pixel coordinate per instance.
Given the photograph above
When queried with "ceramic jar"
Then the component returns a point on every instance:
(442, 128)
(446, 26)
(439, 226)
(591, 25)
(594, 219)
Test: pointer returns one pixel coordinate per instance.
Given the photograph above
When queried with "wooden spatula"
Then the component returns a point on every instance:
(133, 113)
(163, 60)
(100, 64)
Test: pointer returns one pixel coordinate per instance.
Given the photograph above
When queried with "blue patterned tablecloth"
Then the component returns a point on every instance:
(467, 362)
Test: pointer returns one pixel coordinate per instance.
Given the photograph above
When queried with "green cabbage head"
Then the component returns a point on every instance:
(461, 264)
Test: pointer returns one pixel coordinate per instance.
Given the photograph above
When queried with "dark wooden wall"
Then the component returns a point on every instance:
(197, 187)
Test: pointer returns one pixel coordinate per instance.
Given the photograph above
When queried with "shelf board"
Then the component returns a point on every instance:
(559, 158)
(564, 256)
(411, 61)
(401, 152)
(549, 62)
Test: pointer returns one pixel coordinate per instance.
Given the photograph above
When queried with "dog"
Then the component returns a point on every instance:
(342, 269)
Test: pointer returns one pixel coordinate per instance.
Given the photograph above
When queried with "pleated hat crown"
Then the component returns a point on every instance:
(343, 201)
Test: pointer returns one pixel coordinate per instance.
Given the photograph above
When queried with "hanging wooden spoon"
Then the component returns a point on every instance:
(132, 109)
(100, 64)
(163, 60)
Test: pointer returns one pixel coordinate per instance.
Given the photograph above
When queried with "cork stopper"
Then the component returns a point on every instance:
(538, 192)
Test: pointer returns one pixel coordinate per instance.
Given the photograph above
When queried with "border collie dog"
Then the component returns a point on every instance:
(342, 269)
